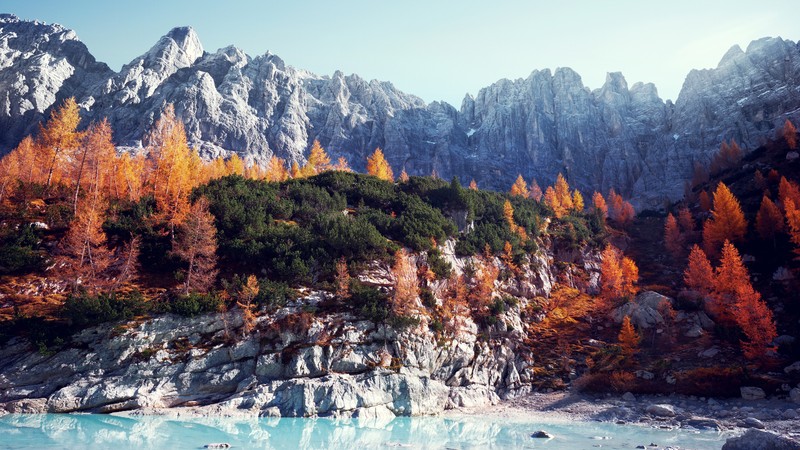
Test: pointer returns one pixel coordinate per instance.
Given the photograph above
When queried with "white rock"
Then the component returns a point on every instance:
(661, 410)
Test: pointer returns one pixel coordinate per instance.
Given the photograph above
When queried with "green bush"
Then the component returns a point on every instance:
(83, 310)
(193, 304)
(274, 294)
(369, 302)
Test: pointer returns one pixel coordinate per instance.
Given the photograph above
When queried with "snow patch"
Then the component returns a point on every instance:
(471, 131)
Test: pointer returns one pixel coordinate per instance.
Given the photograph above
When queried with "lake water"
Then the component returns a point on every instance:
(81, 431)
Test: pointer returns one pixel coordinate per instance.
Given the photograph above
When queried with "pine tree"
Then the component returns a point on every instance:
(196, 245)
(378, 166)
(519, 188)
(673, 240)
(727, 221)
(699, 275)
(769, 220)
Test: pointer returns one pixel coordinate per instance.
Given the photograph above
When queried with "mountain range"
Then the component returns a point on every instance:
(619, 136)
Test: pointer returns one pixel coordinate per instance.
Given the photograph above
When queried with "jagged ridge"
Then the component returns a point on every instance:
(615, 136)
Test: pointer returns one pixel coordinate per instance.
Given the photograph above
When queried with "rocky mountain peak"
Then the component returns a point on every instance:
(615, 136)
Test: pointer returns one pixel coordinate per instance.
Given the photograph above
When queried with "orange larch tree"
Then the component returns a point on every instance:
(727, 221)
(473, 185)
(673, 240)
(630, 277)
(245, 295)
(234, 165)
(793, 222)
(759, 180)
(342, 165)
(455, 307)
(599, 204)
(342, 280)
(481, 293)
(318, 159)
(85, 256)
(378, 166)
(704, 200)
(788, 190)
(93, 165)
(685, 220)
(790, 134)
(551, 200)
(196, 245)
(610, 275)
(699, 275)
(519, 188)
(628, 338)
(508, 213)
(403, 176)
(406, 285)
(769, 220)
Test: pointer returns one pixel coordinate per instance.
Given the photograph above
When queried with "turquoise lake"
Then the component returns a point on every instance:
(82, 431)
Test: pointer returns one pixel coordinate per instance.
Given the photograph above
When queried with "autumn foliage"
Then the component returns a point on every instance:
(618, 276)
(673, 240)
(727, 221)
(628, 338)
(379, 167)
(196, 245)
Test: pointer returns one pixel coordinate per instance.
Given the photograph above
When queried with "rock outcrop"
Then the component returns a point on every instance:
(295, 364)
(615, 136)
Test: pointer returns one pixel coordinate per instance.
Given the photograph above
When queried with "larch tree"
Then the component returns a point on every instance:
(455, 306)
(610, 275)
(630, 278)
(628, 338)
(730, 279)
(378, 166)
(535, 192)
(234, 165)
(790, 134)
(342, 165)
(759, 180)
(342, 280)
(295, 172)
(519, 188)
(245, 295)
(318, 159)
(170, 171)
(673, 240)
(196, 245)
(599, 205)
(769, 220)
(562, 193)
(685, 220)
(128, 179)
(85, 256)
(59, 137)
(788, 190)
(93, 165)
(473, 185)
(699, 275)
(406, 285)
(551, 200)
(727, 221)
(508, 213)
(793, 222)
(403, 176)
(482, 291)
(577, 201)
(276, 170)
(704, 200)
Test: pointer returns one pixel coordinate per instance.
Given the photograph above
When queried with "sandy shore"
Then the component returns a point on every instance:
(779, 416)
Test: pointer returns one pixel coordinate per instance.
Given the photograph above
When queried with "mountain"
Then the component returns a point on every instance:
(615, 136)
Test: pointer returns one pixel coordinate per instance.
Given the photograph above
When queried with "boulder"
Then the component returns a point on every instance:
(643, 310)
(752, 422)
(704, 423)
(793, 367)
(752, 393)
(661, 410)
(794, 395)
(629, 397)
(760, 440)
(542, 435)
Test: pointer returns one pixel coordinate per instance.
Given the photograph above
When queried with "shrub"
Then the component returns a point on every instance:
(83, 310)
(274, 294)
(193, 304)
(369, 302)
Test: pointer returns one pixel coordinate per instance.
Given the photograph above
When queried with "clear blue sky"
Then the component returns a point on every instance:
(436, 49)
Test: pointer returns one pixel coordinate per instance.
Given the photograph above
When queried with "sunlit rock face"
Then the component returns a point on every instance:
(618, 136)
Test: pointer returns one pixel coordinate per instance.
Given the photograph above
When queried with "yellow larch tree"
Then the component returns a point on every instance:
(577, 201)
(562, 193)
(276, 170)
(318, 159)
(234, 165)
(59, 137)
(535, 192)
(519, 188)
(727, 221)
(342, 165)
(378, 166)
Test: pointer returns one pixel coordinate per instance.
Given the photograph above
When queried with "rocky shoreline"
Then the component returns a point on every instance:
(734, 416)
